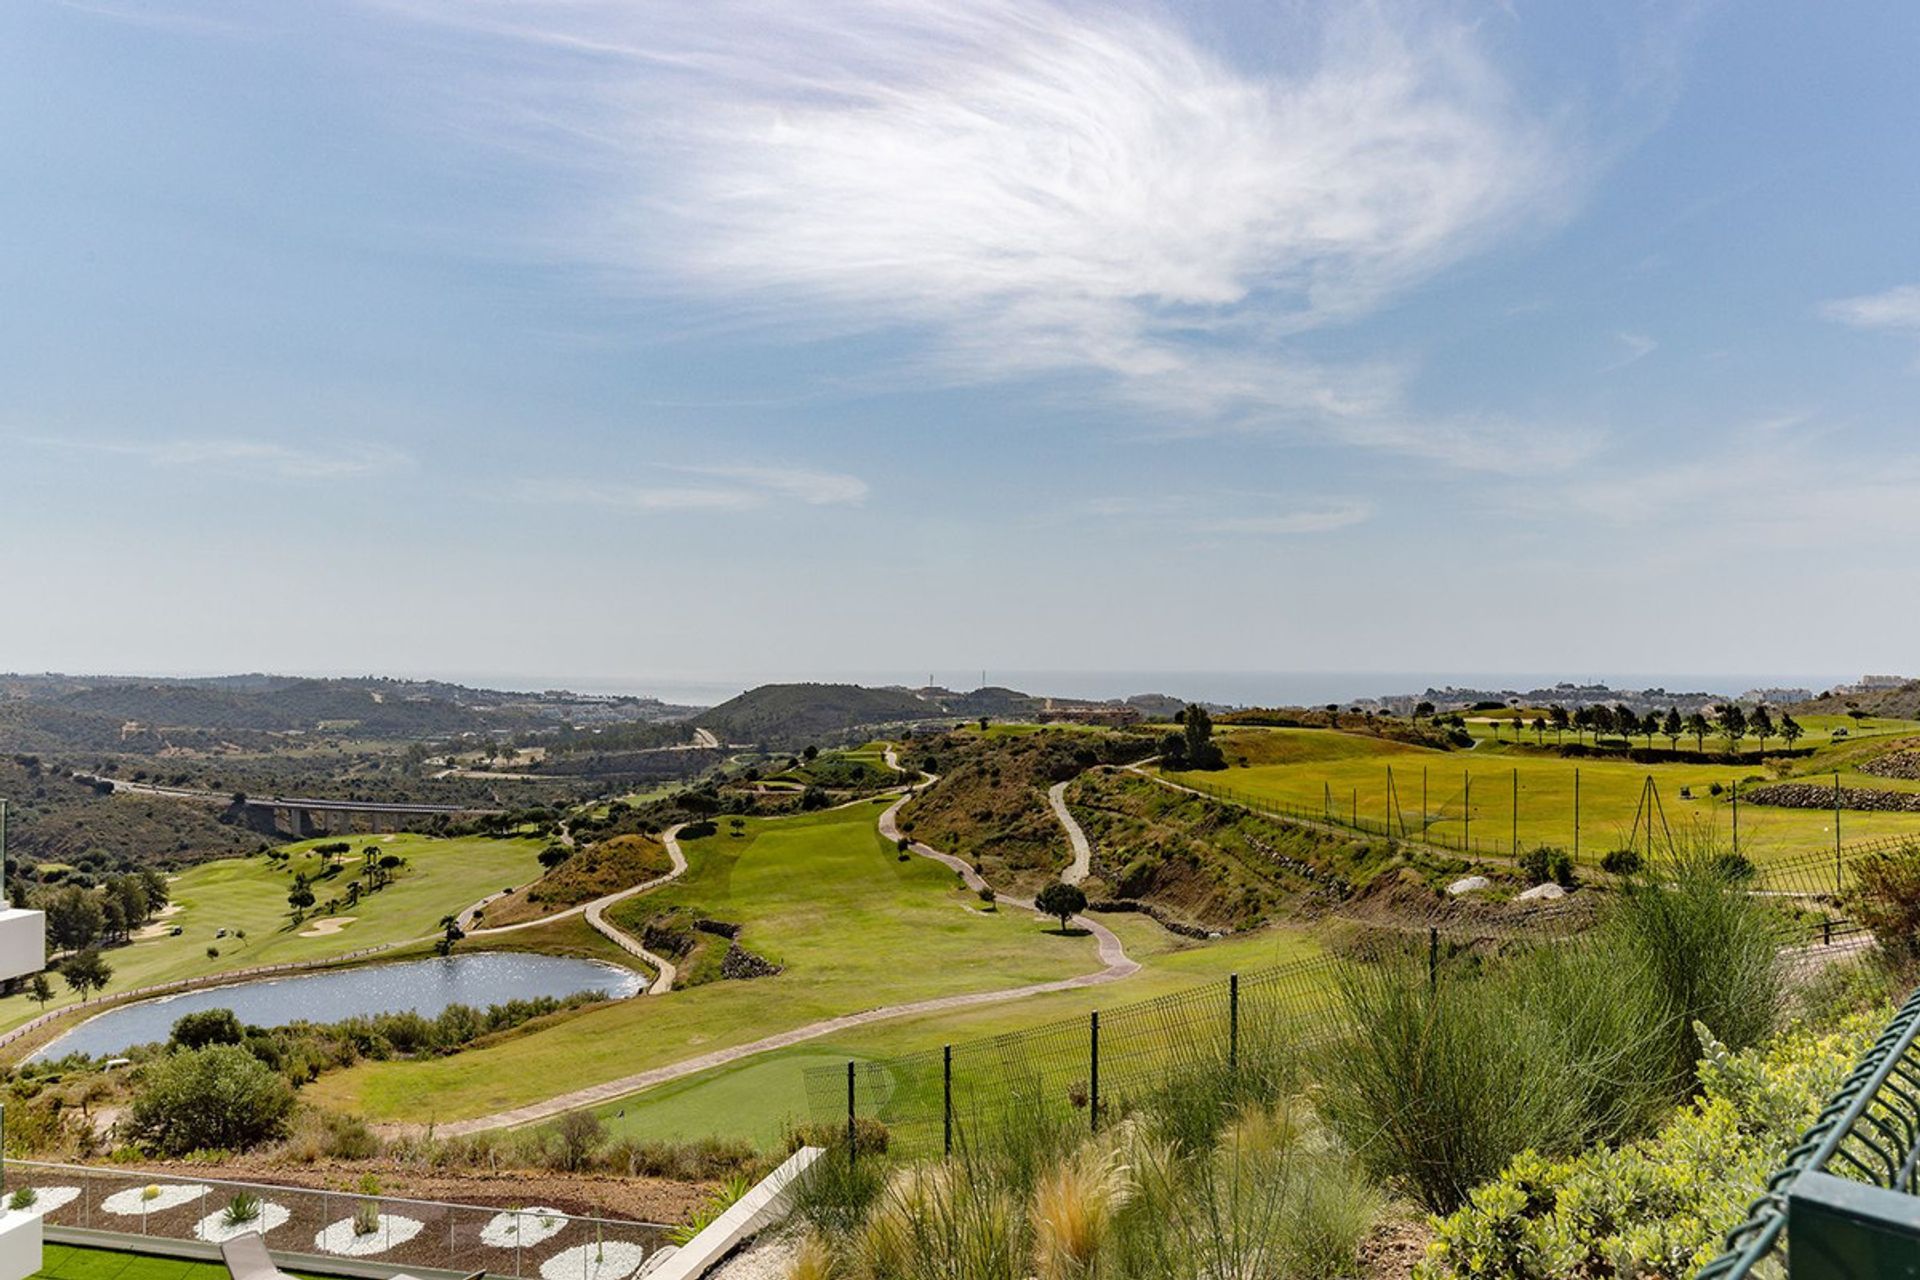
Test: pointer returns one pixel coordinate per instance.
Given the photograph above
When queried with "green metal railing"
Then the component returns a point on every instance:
(1867, 1136)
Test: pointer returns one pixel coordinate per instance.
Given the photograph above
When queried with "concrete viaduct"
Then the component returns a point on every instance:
(299, 817)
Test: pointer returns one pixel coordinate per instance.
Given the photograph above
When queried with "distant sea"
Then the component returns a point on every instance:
(1233, 688)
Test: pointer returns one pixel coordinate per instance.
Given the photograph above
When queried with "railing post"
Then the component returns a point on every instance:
(946, 1088)
(1093, 1087)
(852, 1139)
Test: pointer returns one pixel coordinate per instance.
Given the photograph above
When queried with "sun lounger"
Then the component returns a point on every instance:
(247, 1259)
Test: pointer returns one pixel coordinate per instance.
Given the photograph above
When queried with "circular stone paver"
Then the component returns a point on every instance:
(614, 1260)
(523, 1228)
(215, 1229)
(134, 1201)
(393, 1231)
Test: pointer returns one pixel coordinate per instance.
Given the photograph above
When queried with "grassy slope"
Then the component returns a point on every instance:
(1293, 765)
(759, 1099)
(597, 869)
(821, 894)
(441, 877)
(991, 804)
(1203, 861)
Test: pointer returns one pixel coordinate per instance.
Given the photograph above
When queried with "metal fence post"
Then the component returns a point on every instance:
(1093, 1087)
(1233, 1020)
(946, 1071)
(1838, 871)
(1433, 957)
(852, 1141)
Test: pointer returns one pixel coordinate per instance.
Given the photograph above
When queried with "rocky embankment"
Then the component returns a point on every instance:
(1815, 795)
(1904, 763)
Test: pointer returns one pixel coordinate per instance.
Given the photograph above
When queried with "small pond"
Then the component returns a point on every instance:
(477, 978)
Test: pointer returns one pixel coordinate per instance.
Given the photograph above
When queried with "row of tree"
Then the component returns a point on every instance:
(1731, 723)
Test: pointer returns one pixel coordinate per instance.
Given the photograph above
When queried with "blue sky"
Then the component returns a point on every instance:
(673, 340)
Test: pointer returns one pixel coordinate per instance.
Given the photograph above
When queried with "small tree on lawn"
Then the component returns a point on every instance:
(1672, 727)
(40, 990)
(1761, 723)
(1733, 725)
(300, 897)
(1061, 901)
(1697, 726)
(1197, 730)
(452, 934)
(1790, 729)
(86, 972)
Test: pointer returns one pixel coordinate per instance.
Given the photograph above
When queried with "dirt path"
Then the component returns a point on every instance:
(596, 915)
(1082, 851)
(1115, 966)
(595, 912)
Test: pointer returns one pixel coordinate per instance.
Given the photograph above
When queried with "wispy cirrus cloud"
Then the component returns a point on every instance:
(333, 460)
(710, 489)
(1322, 519)
(1634, 347)
(1042, 187)
(1235, 512)
(1895, 310)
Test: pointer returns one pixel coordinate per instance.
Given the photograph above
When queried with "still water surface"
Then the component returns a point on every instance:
(425, 986)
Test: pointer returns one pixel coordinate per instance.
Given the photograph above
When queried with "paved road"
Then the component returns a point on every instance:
(1082, 851)
(596, 916)
(1112, 953)
(1115, 966)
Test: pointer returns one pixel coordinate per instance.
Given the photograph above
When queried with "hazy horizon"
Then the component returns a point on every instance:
(1241, 688)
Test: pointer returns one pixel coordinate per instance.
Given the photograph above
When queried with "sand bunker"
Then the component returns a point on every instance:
(331, 924)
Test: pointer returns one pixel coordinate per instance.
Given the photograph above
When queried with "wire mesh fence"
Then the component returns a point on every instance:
(1869, 1132)
(1089, 1066)
(1411, 817)
(1086, 1066)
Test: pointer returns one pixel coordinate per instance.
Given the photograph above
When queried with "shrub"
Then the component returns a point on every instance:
(209, 1026)
(1659, 1207)
(23, 1198)
(1413, 1088)
(1621, 862)
(242, 1209)
(220, 1098)
(1886, 899)
(577, 1134)
(1710, 949)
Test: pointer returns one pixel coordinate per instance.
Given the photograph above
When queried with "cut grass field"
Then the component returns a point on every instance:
(821, 894)
(1312, 768)
(249, 895)
(758, 1100)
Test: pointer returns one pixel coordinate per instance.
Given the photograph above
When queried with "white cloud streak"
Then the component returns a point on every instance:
(1897, 310)
(1324, 519)
(333, 461)
(742, 489)
(1039, 187)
